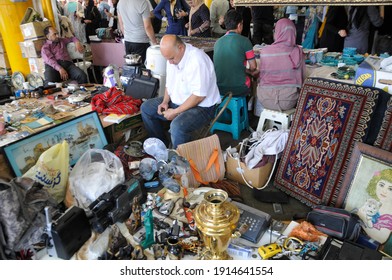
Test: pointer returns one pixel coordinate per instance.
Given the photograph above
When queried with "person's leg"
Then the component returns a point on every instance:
(268, 34)
(138, 48)
(183, 125)
(75, 73)
(152, 120)
(51, 75)
(257, 33)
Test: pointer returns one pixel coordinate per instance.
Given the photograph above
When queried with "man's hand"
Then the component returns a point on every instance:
(63, 74)
(79, 47)
(342, 33)
(170, 114)
(162, 107)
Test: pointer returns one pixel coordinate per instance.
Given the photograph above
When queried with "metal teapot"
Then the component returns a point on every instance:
(133, 59)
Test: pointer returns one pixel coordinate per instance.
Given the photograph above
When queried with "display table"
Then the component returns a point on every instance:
(132, 127)
(315, 71)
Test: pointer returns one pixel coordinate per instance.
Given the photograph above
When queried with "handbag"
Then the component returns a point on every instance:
(205, 159)
(335, 222)
(143, 85)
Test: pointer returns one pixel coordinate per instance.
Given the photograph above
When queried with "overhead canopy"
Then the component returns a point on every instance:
(312, 2)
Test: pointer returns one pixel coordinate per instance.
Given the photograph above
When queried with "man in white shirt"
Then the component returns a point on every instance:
(134, 20)
(191, 93)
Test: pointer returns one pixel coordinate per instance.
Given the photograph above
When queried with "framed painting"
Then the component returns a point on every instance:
(367, 191)
(81, 133)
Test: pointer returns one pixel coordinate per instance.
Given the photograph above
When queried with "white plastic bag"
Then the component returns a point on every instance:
(97, 171)
(111, 76)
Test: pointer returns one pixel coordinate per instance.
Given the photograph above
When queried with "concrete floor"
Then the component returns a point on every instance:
(291, 208)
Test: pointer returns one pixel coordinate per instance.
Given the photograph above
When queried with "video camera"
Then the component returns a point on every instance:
(66, 233)
(115, 205)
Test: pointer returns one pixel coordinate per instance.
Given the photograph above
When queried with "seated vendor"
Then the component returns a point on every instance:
(282, 69)
(191, 93)
(232, 53)
(58, 64)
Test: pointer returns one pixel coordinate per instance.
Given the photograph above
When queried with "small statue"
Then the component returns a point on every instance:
(134, 222)
(148, 221)
(138, 253)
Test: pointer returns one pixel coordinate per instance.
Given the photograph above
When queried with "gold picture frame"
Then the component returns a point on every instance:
(312, 2)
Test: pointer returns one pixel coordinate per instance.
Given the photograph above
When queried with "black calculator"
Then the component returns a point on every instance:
(257, 221)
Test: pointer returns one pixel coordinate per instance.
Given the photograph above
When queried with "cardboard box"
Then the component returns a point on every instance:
(5, 71)
(114, 132)
(37, 65)
(256, 177)
(369, 74)
(2, 48)
(34, 30)
(31, 48)
(4, 63)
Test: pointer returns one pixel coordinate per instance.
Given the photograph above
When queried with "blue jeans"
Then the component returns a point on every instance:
(181, 127)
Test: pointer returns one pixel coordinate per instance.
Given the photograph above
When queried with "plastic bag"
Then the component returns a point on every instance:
(111, 76)
(22, 220)
(51, 170)
(97, 171)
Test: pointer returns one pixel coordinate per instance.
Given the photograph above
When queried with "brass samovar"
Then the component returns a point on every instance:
(216, 220)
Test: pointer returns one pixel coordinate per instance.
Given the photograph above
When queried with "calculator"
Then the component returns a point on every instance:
(257, 221)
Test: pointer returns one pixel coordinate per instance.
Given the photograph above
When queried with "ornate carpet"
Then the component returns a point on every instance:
(384, 137)
(330, 117)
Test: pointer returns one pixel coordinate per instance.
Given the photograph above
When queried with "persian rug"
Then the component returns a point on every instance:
(329, 118)
(384, 137)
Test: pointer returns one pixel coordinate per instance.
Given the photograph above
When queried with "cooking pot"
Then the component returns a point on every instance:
(133, 59)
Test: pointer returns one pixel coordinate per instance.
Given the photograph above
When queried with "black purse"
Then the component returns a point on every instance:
(142, 85)
(335, 222)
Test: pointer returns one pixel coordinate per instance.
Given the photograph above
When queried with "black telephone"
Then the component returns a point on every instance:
(258, 222)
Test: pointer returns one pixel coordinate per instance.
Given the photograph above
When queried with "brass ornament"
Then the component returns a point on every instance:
(216, 221)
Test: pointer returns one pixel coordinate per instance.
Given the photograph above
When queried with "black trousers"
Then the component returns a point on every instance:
(139, 48)
(74, 73)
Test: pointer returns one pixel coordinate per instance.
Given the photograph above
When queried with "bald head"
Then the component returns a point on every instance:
(172, 48)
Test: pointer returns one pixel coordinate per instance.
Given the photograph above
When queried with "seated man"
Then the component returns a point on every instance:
(58, 63)
(191, 93)
(232, 53)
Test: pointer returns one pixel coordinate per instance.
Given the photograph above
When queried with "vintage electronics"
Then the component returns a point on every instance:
(334, 249)
(115, 205)
(67, 233)
(257, 221)
(270, 250)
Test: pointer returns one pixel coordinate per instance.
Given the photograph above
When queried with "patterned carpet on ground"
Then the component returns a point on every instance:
(330, 117)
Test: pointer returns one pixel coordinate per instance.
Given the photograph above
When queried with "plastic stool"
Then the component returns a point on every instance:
(275, 119)
(235, 118)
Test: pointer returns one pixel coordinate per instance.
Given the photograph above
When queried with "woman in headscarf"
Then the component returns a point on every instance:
(199, 19)
(176, 12)
(282, 69)
(92, 18)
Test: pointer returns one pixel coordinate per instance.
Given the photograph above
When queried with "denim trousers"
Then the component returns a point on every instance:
(181, 127)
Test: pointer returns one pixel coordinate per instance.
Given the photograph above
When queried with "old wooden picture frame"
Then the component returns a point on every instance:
(81, 133)
(367, 191)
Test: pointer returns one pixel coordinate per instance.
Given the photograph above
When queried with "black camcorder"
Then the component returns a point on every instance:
(115, 205)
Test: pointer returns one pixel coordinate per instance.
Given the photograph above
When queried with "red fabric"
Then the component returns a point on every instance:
(114, 101)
